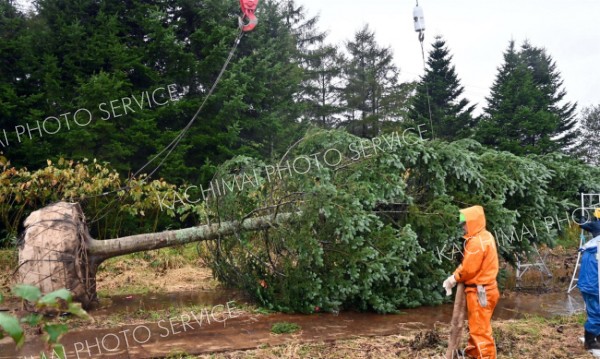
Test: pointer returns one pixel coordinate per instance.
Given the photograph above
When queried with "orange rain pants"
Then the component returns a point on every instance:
(481, 343)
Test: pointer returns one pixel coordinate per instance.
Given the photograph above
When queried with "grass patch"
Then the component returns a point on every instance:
(161, 259)
(8, 258)
(428, 339)
(506, 342)
(285, 328)
(132, 289)
(179, 355)
(8, 261)
(578, 318)
(264, 311)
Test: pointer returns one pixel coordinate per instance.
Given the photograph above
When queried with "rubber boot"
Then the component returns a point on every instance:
(590, 341)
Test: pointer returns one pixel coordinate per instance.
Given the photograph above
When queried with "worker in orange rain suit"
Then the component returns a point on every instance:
(478, 272)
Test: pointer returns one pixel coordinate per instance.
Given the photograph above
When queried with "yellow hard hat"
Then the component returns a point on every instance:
(597, 213)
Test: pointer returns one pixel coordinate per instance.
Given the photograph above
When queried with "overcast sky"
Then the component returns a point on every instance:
(477, 33)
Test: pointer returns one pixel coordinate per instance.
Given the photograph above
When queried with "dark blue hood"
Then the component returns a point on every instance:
(592, 227)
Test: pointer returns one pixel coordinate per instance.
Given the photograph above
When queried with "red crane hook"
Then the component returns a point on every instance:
(248, 9)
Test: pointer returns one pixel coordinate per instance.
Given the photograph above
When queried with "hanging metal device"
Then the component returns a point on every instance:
(419, 20)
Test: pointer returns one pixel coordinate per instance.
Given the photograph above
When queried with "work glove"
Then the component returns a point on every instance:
(449, 284)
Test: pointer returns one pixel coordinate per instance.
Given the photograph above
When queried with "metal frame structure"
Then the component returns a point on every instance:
(540, 264)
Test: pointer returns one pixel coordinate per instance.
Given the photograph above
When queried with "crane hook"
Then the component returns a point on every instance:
(248, 9)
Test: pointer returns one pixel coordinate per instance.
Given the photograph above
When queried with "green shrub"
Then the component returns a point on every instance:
(111, 209)
(46, 316)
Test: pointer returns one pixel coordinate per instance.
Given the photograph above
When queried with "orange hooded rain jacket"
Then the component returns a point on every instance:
(479, 267)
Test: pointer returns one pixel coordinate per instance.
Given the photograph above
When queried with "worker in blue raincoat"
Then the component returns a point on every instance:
(588, 283)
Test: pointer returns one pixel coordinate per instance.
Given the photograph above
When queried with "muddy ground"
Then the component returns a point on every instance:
(144, 288)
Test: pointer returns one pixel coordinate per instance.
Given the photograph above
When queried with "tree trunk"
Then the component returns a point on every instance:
(57, 250)
(146, 242)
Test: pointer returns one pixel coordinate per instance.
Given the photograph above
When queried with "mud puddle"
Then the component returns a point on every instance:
(197, 333)
(155, 301)
(512, 306)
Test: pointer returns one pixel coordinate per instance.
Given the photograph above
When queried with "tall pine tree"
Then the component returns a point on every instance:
(13, 51)
(587, 147)
(73, 54)
(371, 78)
(547, 78)
(451, 115)
(322, 67)
(525, 111)
(322, 86)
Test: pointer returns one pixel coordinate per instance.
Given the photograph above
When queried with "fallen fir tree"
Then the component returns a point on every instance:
(58, 251)
(374, 228)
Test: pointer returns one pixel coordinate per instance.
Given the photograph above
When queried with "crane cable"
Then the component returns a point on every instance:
(175, 142)
(421, 40)
(427, 87)
(183, 132)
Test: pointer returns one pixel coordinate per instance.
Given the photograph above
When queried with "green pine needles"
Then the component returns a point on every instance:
(378, 233)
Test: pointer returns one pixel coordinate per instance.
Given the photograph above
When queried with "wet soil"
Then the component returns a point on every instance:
(156, 301)
(169, 335)
(513, 305)
(175, 333)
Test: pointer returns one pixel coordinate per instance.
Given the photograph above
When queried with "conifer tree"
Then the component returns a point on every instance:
(526, 112)
(78, 54)
(13, 50)
(323, 85)
(322, 66)
(588, 147)
(371, 77)
(451, 115)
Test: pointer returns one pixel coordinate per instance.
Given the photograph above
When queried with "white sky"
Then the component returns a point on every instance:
(477, 32)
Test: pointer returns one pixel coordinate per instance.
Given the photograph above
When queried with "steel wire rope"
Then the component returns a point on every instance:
(421, 38)
(175, 142)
